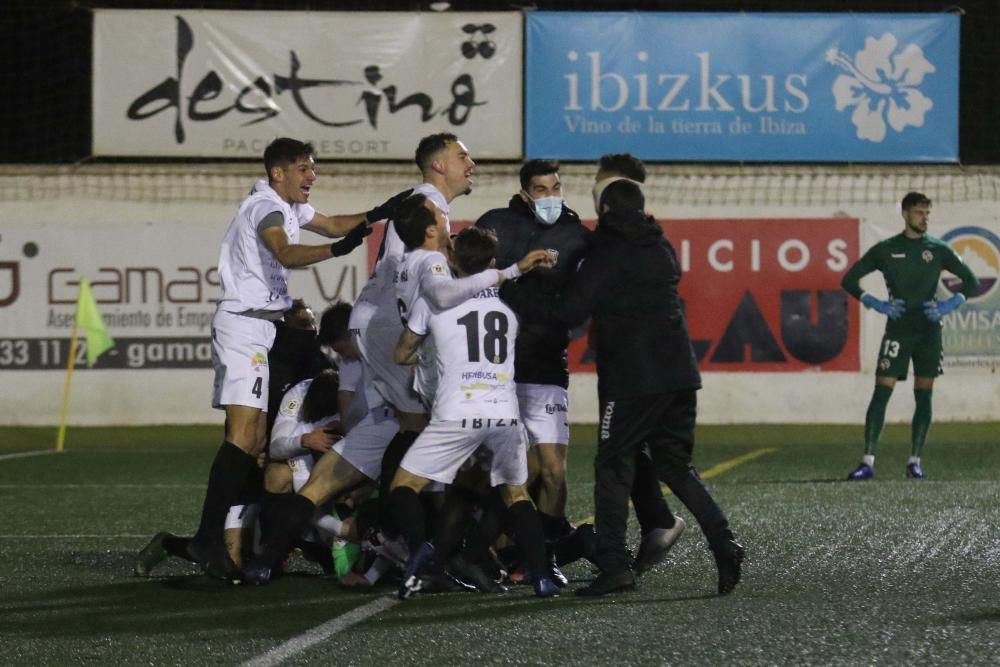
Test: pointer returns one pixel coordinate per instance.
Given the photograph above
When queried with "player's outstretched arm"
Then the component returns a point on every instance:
(335, 226)
(295, 255)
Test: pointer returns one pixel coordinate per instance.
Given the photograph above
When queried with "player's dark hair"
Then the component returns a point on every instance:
(623, 164)
(475, 248)
(298, 316)
(430, 146)
(334, 324)
(915, 199)
(320, 400)
(623, 196)
(412, 220)
(533, 168)
(283, 151)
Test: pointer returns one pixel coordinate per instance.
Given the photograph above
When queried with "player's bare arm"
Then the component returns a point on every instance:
(290, 255)
(534, 259)
(334, 226)
(406, 348)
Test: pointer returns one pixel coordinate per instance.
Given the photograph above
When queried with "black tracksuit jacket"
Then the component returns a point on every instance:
(627, 282)
(540, 351)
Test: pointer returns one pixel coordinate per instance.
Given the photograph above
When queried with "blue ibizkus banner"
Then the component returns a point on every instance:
(743, 87)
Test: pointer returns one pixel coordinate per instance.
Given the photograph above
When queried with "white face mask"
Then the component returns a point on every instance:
(547, 209)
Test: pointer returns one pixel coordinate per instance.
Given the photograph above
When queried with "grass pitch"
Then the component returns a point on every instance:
(883, 572)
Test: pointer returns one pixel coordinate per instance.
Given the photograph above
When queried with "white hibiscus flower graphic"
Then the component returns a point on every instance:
(881, 85)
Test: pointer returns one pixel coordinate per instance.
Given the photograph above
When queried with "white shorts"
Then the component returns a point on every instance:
(239, 356)
(443, 447)
(365, 444)
(376, 331)
(545, 413)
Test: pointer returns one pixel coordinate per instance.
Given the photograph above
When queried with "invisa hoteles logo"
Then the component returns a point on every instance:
(980, 249)
(881, 85)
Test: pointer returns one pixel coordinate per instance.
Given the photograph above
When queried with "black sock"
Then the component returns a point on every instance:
(293, 514)
(528, 532)
(494, 518)
(452, 522)
(554, 527)
(406, 516)
(226, 481)
(394, 453)
(177, 547)
(270, 515)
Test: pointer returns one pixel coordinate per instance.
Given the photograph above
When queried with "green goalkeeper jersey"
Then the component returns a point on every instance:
(912, 269)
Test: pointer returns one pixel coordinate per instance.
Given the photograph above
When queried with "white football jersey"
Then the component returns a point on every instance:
(379, 288)
(474, 357)
(286, 435)
(417, 269)
(250, 276)
(353, 379)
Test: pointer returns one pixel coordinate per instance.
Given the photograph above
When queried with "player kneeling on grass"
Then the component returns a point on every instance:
(475, 405)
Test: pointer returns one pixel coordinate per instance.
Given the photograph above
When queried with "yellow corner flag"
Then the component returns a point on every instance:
(99, 340)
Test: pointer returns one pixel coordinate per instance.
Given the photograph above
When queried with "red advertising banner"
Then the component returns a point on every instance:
(762, 294)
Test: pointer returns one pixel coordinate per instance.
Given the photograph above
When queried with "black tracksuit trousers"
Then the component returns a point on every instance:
(666, 423)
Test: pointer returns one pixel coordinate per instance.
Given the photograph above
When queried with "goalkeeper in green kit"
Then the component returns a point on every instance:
(911, 263)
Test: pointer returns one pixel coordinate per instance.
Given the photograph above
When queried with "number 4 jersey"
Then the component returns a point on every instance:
(474, 356)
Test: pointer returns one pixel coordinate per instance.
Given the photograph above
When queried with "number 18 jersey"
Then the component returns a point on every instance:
(474, 356)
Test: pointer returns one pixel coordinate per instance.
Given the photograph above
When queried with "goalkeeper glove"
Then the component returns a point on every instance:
(935, 310)
(388, 209)
(351, 241)
(893, 309)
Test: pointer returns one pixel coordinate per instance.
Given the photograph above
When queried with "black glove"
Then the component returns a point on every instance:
(351, 241)
(387, 211)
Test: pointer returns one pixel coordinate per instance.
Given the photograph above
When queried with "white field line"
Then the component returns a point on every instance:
(321, 633)
(24, 455)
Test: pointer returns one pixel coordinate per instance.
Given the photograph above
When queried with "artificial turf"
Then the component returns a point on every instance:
(883, 572)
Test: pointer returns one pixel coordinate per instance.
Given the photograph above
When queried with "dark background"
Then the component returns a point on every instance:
(45, 59)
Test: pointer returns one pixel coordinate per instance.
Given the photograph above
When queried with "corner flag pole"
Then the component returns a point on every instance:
(61, 438)
(98, 342)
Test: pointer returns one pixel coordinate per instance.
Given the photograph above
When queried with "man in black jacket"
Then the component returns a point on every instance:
(647, 377)
(538, 218)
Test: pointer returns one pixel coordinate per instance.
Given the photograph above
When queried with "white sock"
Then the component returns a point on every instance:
(869, 459)
(329, 524)
(914, 459)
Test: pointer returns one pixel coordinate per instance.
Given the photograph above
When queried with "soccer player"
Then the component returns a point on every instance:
(537, 217)
(259, 247)
(475, 405)
(446, 169)
(911, 263)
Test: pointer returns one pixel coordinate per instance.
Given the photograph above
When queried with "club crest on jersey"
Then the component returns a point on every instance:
(258, 360)
(438, 270)
(291, 409)
(927, 256)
